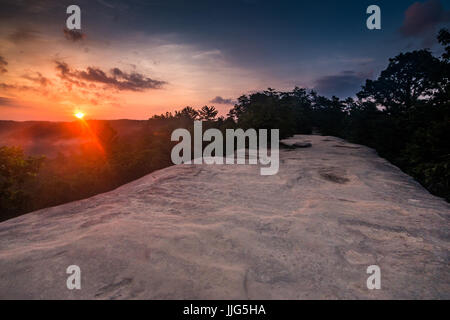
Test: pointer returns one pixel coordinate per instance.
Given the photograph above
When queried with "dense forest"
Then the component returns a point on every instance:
(404, 115)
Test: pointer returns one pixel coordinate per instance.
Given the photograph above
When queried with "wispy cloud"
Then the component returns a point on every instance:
(347, 83)
(22, 34)
(106, 4)
(8, 102)
(3, 65)
(38, 78)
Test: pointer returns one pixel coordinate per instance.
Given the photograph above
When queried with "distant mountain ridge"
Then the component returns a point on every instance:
(48, 138)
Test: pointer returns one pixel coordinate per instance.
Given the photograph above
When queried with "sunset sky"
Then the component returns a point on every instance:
(139, 58)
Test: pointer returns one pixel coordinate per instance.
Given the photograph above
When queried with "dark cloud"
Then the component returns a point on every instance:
(3, 65)
(116, 78)
(37, 77)
(421, 18)
(344, 84)
(220, 100)
(73, 35)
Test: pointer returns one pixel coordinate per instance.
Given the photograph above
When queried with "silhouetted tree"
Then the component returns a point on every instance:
(444, 39)
(409, 78)
(187, 113)
(207, 113)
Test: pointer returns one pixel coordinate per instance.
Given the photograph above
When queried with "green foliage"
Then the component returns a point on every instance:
(16, 171)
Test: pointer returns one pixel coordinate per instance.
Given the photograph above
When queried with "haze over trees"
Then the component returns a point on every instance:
(404, 114)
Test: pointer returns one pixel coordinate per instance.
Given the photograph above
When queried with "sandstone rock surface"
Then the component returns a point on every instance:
(226, 232)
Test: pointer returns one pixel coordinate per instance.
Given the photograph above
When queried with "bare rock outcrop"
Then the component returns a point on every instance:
(226, 232)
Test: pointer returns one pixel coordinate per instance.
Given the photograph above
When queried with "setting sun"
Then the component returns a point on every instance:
(79, 115)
